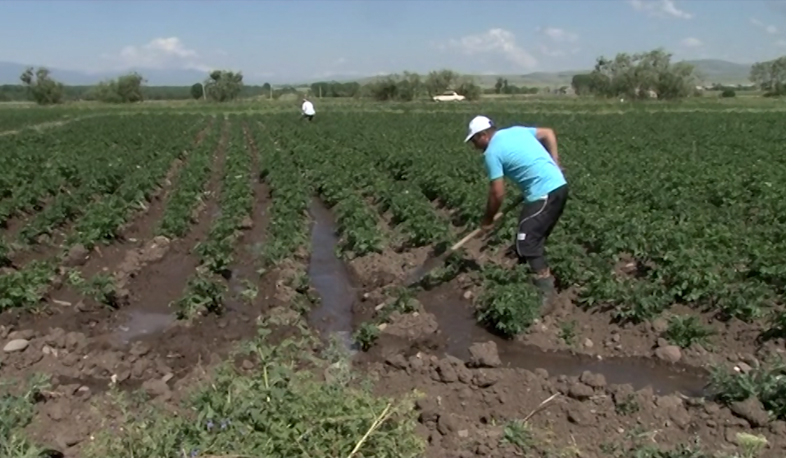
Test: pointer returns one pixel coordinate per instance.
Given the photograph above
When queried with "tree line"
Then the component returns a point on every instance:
(653, 75)
(633, 76)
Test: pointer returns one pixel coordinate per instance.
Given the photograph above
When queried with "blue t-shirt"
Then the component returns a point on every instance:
(515, 152)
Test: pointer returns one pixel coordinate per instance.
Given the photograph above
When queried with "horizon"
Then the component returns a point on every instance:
(377, 38)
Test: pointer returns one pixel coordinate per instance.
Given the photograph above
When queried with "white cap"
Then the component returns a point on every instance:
(478, 124)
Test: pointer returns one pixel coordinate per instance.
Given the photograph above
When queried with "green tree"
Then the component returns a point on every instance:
(469, 89)
(335, 89)
(224, 85)
(770, 76)
(410, 86)
(196, 91)
(41, 87)
(727, 93)
(439, 81)
(499, 85)
(124, 89)
(582, 83)
(404, 88)
(640, 76)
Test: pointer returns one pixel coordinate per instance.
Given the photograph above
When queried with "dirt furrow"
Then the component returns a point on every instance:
(88, 347)
(139, 232)
(245, 281)
(162, 282)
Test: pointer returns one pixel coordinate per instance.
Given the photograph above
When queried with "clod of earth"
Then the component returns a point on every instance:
(76, 256)
(669, 353)
(752, 410)
(580, 391)
(484, 355)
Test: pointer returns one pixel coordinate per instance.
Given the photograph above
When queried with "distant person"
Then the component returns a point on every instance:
(528, 156)
(308, 109)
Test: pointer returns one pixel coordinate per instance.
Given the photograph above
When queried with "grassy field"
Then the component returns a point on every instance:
(172, 273)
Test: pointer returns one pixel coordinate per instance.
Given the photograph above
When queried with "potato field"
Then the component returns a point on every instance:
(177, 283)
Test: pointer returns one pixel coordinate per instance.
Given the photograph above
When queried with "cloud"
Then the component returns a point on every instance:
(559, 35)
(691, 42)
(160, 53)
(781, 43)
(769, 28)
(495, 41)
(660, 8)
(554, 42)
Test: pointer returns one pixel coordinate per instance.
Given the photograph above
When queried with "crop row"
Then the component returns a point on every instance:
(290, 195)
(190, 185)
(701, 220)
(205, 289)
(109, 172)
(125, 166)
(19, 118)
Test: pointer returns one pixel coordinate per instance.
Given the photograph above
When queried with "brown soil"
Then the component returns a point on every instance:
(594, 386)
(599, 377)
(139, 227)
(86, 349)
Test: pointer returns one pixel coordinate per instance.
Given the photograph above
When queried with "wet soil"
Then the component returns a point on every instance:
(330, 278)
(85, 350)
(605, 387)
(598, 394)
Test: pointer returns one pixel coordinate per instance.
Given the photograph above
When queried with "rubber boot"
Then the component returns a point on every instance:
(549, 292)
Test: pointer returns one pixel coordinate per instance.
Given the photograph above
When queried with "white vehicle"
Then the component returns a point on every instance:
(449, 96)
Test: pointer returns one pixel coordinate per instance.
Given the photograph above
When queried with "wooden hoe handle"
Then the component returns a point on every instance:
(472, 234)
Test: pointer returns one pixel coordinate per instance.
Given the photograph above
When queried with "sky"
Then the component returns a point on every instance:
(299, 39)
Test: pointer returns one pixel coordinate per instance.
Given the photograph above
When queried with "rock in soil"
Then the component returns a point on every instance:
(669, 353)
(580, 391)
(27, 334)
(156, 388)
(77, 256)
(593, 380)
(660, 325)
(580, 415)
(484, 355)
(751, 410)
(16, 345)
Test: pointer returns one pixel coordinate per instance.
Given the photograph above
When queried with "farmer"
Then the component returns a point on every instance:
(308, 109)
(518, 152)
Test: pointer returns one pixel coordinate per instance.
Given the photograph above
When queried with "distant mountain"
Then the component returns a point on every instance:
(10, 72)
(709, 70)
(721, 71)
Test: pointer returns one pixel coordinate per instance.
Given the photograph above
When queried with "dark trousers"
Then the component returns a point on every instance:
(536, 222)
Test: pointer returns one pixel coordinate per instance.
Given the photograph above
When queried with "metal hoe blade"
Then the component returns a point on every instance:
(417, 275)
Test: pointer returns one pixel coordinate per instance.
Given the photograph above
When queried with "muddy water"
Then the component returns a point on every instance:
(456, 321)
(142, 323)
(330, 278)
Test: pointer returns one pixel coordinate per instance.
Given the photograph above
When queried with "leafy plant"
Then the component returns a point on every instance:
(509, 309)
(567, 331)
(685, 331)
(766, 382)
(366, 335)
(278, 409)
